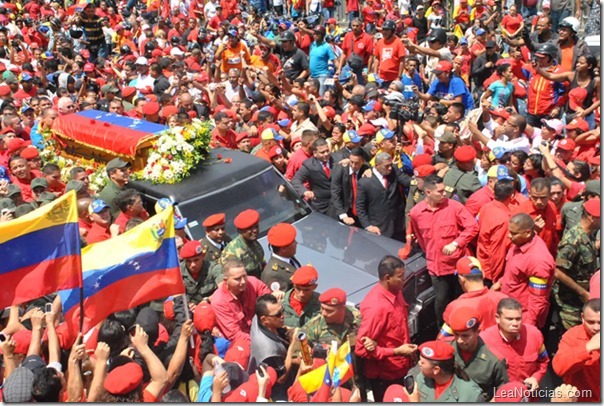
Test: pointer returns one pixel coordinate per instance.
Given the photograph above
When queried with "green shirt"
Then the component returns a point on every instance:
(311, 309)
(197, 288)
(319, 331)
(109, 195)
(461, 183)
(458, 391)
(250, 253)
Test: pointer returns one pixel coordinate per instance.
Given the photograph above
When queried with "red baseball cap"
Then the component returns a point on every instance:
(442, 66)
(578, 124)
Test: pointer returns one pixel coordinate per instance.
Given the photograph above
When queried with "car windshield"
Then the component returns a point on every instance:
(267, 192)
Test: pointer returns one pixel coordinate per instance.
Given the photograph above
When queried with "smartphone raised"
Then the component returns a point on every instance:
(409, 383)
(48, 308)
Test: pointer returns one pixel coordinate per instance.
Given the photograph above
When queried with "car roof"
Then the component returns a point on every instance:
(212, 171)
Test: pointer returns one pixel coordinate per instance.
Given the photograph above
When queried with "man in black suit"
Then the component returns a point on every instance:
(380, 203)
(344, 187)
(351, 140)
(316, 172)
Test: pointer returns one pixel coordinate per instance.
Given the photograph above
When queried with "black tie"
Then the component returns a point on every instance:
(293, 261)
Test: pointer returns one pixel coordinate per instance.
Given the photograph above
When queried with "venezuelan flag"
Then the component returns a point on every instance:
(342, 369)
(40, 252)
(125, 271)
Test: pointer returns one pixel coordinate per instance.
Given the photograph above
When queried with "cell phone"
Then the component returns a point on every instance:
(409, 383)
(329, 82)
(260, 369)
(2, 337)
(4, 212)
(48, 308)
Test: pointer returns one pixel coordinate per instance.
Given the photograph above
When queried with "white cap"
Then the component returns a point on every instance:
(176, 52)
(546, 4)
(145, 27)
(141, 60)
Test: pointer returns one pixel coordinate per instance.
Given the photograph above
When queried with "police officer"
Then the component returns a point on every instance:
(335, 322)
(461, 180)
(283, 263)
(471, 353)
(199, 284)
(576, 262)
(572, 211)
(301, 303)
(245, 246)
(438, 370)
(216, 237)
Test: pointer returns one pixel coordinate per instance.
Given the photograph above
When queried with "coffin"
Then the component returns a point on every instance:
(101, 136)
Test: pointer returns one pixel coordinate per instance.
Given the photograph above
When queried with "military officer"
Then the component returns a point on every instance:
(216, 237)
(572, 211)
(335, 322)
(245, 246)
(461, 180)
(437, 366)
(416, 191)
(576, 262)
(301, 303)
(199, 284)
(471, 353)
(281, 266)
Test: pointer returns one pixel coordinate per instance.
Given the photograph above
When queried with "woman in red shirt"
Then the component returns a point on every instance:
(512, 23)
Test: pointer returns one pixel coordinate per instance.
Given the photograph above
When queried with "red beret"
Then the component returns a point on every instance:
(246, 219)
(168, 111)
(128, 91)
(15, 144)
(151, 108)
(305, 275)
(204, 317)
(366, 129)
(424, 170)
(422, 159)
(334, 297)
(500, 113)
(281, 235)
(468, 266)
(329, 112)
(465, 154)
(4, 90)
(241, 136)
(22, 339)
(275, 151)
(463, 318)
(395, 393)
(169, 309)
(190, 249)
(124, 379)
(30, 152)
(592, 206)
(567, 144)
(214, 220)
(192, 113)
(436, 350)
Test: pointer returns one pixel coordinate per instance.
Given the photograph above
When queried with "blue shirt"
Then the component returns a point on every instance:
(408, 84)
(501, 94)
(318, 59)
(449, 91)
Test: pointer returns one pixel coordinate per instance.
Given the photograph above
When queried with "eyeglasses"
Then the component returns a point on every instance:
(278, 314)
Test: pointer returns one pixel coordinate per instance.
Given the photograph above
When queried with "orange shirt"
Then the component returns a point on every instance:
(566, 62)
(233, 57)
(257, 61)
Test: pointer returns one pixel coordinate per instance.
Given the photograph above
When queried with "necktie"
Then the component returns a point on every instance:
(354, 193)
(293, 261)
(386, 183)
(326, 169)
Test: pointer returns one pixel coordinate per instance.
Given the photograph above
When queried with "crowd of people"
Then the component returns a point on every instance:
(468, 130)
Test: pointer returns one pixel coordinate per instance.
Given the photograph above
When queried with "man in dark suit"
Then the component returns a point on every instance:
(380, 203)
(344, 187)
(351, 140)
(316, 172)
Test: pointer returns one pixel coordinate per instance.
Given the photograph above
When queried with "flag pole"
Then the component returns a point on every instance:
(81, 309)
(188, 316)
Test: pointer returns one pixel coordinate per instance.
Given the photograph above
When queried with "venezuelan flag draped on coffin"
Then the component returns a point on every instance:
(102, 136)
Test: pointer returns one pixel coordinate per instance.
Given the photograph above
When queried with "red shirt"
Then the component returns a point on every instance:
(361, 45)
(478, 199)
(526, 356)
(435, 229)
(295, 163)
(493, 240)
(484, 300)
(384, 319)
(548, 233)
(25, 185)
(97, 234)
(390, 55)
(228, 141)
(123, 219)
(234, 314)
(576, 366)
(528, 278)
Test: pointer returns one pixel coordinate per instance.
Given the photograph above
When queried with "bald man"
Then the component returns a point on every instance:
(84, 221)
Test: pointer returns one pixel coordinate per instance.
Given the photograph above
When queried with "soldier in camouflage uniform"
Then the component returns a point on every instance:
(461, 180)
(301, 303)
(245, 246)
(576, 262)
(335, 322)
(283, 263)
(572, 211)
(215, 239)
(195, 273)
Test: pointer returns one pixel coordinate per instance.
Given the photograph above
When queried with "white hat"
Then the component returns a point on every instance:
(176, 52)
(146, 27)
(141, 60)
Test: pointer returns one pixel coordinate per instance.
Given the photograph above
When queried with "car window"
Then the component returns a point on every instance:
(267, 192)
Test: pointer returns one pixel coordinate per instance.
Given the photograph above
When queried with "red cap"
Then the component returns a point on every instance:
(239, 352)
(30, 152)
(503, 113)
(329, 111)
(89, 67)
(84, 53)
(275, 151)
(124, 379)
(281, 235)
(395, 393)
(436, 350)
(3, 66)
(22, 339)
(443, 66)
(214, 220)
(424, 170)
(578, 123)
(168, 111)
(151, 108)
(4, 90)
(333, 296)
(592, 206)
(21, 95)
(231, 114)
(464, 318)
(204, 317)
(305, 275)
(332, 21)
(408, 21)
(169, 309)
(468, 266)
(128, 91)
(16, 144)
(248, 391)
(422, 159)
(191, 249)
(157, 53)
(366, 129)
(202, 77)
(465, 154)
(246, 219)
(576, 98)
(7, 130)
(567, 144)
